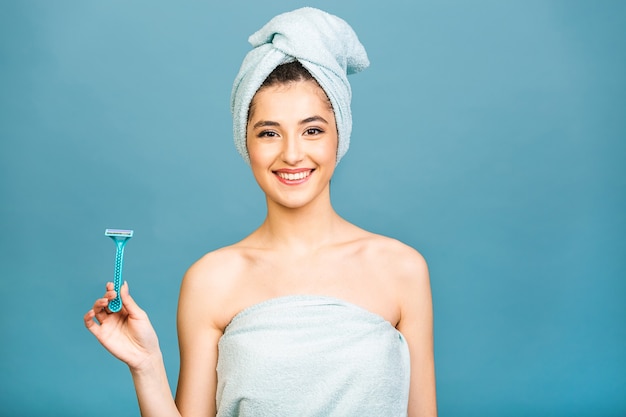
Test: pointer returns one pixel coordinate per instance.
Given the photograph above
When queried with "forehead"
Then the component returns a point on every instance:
(298, 96)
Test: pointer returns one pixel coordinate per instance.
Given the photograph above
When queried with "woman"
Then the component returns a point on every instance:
(309, 314)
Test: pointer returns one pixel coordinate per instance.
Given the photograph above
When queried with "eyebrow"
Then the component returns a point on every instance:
(265, 123)
(313, 119)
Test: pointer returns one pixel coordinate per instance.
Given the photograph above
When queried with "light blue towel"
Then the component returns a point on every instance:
(311, 356)
(325, 45)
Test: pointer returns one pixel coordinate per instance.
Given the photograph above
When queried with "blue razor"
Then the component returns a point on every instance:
(120, 237)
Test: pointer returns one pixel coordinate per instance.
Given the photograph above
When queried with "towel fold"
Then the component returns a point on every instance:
(311, 356)
(323, 43)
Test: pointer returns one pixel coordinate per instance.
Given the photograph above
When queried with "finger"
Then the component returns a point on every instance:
(100, 309)
(90, 323)
(88, 318)
(110, 295)
(110, 290)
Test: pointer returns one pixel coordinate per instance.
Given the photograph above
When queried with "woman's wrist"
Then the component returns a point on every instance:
(152, 387)
(149, 365)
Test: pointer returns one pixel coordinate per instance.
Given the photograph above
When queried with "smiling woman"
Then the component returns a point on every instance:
(309, 315)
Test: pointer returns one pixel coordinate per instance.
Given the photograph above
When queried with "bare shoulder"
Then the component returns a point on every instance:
(411, 281)
(215, 268)
(402, 261)
(209, 285)
(398, 273)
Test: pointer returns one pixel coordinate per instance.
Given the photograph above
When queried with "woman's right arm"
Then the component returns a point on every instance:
(200, 326)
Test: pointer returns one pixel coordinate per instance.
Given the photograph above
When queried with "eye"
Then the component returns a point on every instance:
(267, 134)
(312, 131)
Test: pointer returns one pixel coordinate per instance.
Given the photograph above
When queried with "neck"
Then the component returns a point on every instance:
(303, 228)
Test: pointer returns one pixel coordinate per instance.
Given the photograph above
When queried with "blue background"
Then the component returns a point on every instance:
(489, 135)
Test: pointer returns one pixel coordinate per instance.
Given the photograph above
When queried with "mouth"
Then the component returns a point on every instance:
(293, 177)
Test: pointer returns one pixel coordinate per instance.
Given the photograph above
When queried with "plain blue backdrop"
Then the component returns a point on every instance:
(489, 135)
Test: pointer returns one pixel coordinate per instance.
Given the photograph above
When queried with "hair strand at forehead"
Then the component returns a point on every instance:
(288, 73)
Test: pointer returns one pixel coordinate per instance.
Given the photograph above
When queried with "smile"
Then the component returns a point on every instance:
(293, 176)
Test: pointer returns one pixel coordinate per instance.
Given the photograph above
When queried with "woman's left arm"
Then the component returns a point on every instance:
(416, 324)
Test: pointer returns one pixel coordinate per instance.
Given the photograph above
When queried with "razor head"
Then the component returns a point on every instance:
(118, 233)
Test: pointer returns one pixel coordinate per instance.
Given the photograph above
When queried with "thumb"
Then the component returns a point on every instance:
(129, 303)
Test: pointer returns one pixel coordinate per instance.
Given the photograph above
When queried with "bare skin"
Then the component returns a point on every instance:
(303, 247)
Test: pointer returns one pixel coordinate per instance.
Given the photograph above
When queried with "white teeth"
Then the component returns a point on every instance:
(294, 176)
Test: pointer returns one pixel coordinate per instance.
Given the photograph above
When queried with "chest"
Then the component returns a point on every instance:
(358, 280)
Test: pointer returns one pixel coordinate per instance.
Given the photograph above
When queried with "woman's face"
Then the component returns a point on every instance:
(292, 142)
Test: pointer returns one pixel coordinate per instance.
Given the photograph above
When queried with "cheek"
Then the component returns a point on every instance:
(332, 152)
(256, 157)
(331, 149)
(261, 156)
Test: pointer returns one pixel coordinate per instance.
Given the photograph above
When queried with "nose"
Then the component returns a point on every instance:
(292, 150)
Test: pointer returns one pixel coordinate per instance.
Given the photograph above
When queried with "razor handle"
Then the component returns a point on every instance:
(115, 305)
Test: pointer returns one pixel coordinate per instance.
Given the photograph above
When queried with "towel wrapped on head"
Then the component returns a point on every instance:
(323, 43)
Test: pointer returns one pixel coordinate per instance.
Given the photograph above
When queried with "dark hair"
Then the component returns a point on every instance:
(290, 72)
(287, 73)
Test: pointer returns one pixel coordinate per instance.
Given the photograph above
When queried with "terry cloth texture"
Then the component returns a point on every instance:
(323, 43)
(316, 356)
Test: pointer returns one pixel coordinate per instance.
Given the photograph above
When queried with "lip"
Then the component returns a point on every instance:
(297, 181)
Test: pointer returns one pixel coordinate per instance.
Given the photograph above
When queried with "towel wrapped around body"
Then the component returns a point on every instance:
(307, 355)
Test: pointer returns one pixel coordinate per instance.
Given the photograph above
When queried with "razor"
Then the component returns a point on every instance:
(120, 237)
